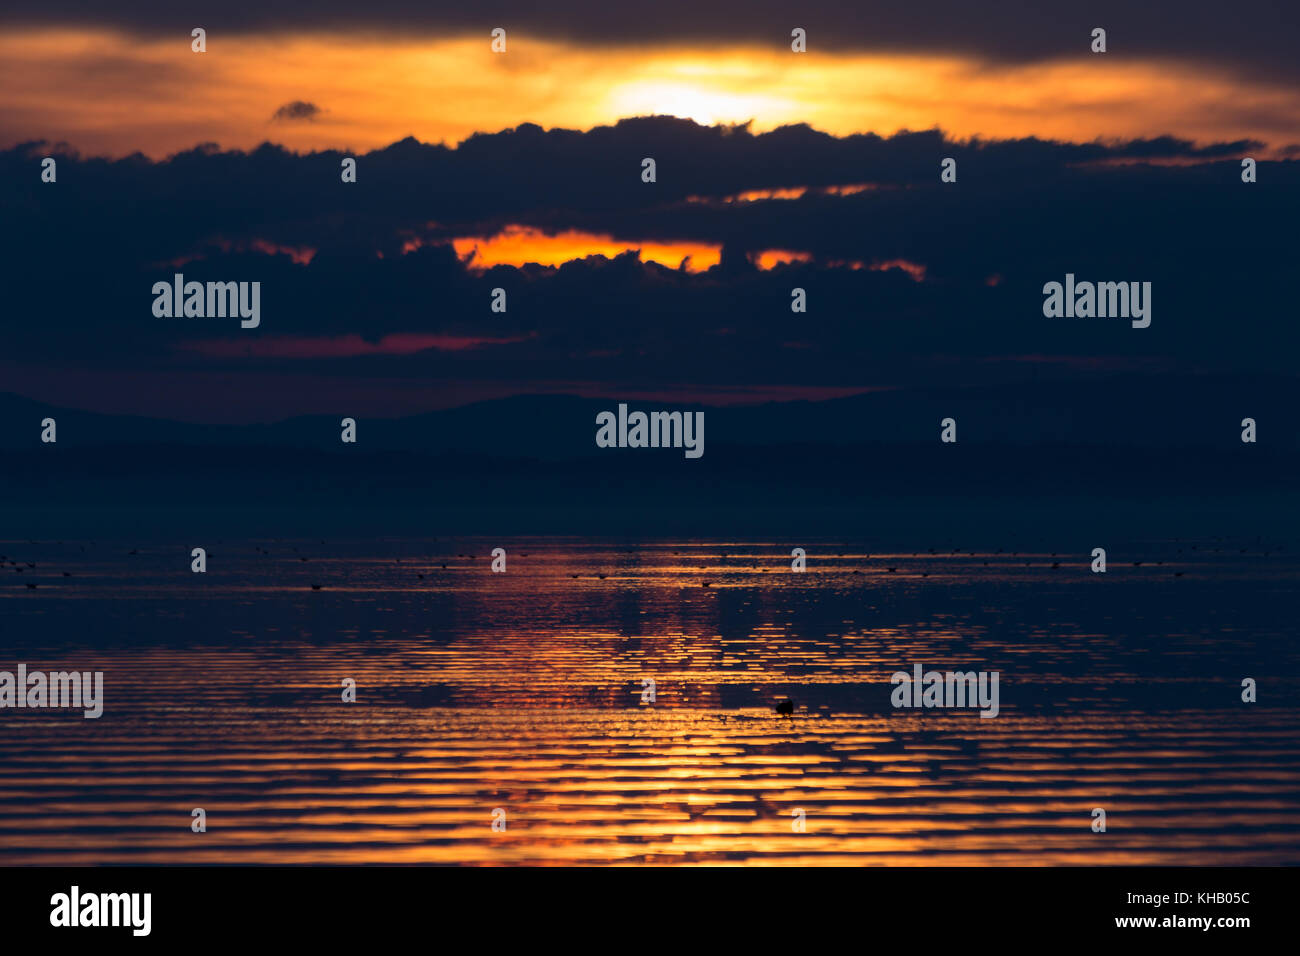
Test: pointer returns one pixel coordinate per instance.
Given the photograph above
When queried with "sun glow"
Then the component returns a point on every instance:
(694, 100)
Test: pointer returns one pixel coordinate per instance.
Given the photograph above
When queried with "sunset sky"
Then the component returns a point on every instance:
(482, 170)
(113, 93)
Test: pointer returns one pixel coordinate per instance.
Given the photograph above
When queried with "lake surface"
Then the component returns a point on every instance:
(523, 692)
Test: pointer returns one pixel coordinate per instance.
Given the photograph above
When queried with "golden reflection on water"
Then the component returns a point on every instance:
(523, 692)
(666, 786)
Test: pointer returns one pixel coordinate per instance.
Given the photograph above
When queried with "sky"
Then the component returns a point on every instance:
(521, 170)
(114, 82)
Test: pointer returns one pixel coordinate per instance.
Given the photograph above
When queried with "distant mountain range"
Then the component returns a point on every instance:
(1149, 412)
(1139, 455)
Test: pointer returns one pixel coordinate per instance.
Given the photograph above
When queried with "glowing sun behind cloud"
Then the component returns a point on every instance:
(695, 101)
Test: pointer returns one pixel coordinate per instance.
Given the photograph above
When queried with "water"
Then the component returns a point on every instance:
(522, 691)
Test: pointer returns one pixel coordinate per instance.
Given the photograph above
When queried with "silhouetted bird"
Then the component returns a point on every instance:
(706, 584)
(31, 586)
(315, 587)
(785, 707)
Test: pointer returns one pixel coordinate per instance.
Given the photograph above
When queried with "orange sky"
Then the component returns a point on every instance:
(516, 245)
(110, 93)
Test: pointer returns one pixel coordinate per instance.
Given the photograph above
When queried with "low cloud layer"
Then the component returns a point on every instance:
(360, 281)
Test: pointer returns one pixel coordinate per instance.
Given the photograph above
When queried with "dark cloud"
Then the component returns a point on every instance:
(1220, 255)
(297, 110)
(1260, 38)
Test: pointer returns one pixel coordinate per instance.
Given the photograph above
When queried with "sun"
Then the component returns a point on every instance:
(687, 101)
